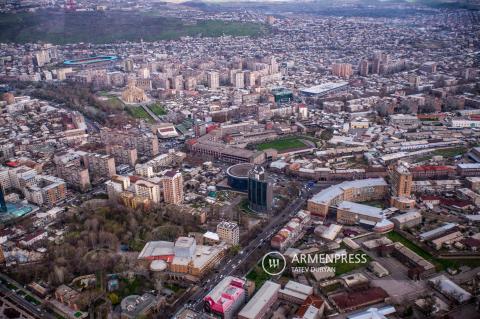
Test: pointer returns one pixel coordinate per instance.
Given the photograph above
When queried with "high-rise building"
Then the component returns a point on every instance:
(364, 65)
(260, 194)
(117, 185)
(250, 78)
(229, 232)
(123, 155)
(3, 204)
(46, 190)
(100, 165)
(213, 80)
(401, 181)
(414, 81)
(7, 150)
(128, 65)
(343, 70)
(176, 82)
(237, 79)
(148, 190)
(172, 183)
(71, 167)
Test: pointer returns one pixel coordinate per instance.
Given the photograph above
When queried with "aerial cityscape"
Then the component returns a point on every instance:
(239, 159)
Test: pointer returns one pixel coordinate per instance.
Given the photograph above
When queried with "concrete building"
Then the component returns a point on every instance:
(354, 191)
(148, 190)
(229, 232)
(226, 298)
(295, 292)
(401, 181)
(123, 155)
(172, 183)
(99, 165)
(261, 302)
(46, 190)
(213, 80)
(343, 70)
(135, 306)
(351, 213)
(407, 220)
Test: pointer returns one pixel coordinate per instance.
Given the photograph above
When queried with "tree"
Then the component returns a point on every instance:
(115, 300)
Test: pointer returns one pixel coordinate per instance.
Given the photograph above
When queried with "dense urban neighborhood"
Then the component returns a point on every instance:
(220, 159)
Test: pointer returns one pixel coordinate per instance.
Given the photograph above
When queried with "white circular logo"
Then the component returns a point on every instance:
(274, 263)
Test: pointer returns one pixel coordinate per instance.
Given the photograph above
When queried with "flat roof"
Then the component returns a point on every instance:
(258, 301)
(361, 209)
(156, 248)
(324, 87)
(328, 194)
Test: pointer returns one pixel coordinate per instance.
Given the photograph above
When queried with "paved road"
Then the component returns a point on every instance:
(153, 115)
(263, 238)
(20, 302)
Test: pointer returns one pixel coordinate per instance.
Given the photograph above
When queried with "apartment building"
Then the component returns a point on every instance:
(229, 232)
(172, 183)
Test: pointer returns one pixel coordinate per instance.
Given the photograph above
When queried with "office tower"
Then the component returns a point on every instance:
(7, 150)
(3, 204)
(172, 183)
(343, 70)
(260, 194)
(229, 232)
(401, 181)
(364, 65)
(213, 80)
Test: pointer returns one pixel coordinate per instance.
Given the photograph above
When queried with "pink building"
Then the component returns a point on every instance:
(226, 298)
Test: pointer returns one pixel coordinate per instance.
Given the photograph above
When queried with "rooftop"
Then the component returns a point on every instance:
(262, 297)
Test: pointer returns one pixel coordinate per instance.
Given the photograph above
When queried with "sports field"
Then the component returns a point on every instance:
(283, 144)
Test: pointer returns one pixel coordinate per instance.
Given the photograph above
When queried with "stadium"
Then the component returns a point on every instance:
(91, 60)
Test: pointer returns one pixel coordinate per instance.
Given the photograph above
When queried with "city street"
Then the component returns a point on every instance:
(263, 238)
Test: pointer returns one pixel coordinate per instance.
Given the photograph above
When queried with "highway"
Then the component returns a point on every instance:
(263, 238)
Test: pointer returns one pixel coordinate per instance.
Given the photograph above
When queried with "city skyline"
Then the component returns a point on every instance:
(239, 160)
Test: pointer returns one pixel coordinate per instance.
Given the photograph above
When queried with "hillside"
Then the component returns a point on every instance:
(105, 27)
